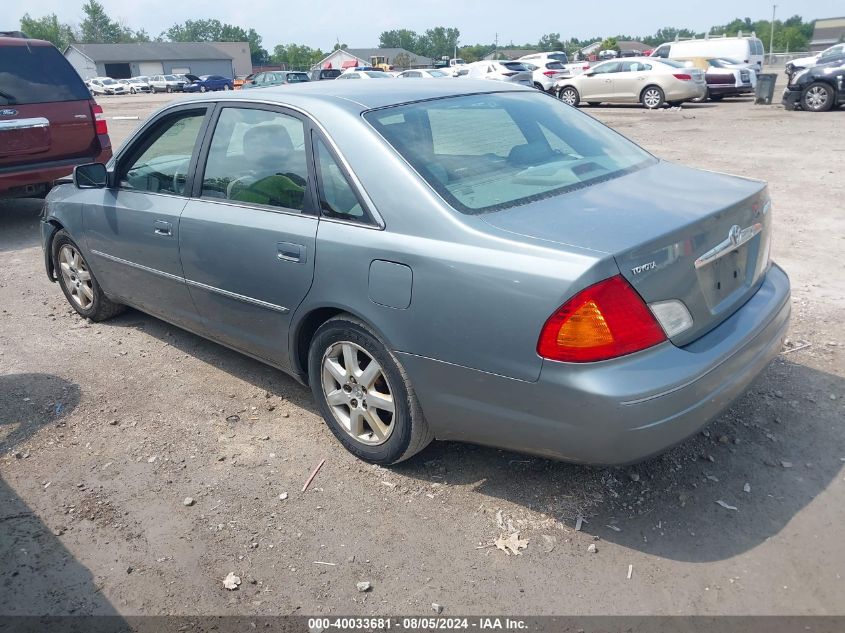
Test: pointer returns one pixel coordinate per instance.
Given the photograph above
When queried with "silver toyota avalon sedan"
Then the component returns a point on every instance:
(470, 261)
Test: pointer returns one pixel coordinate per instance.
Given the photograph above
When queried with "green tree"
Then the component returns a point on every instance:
(550, 42)
(609, 44)
(438, 42)
(48, 28)
(97, 26)
(399, 38)
(213, 30)
(296, 56)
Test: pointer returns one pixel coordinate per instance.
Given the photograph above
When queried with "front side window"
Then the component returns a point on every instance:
(165, 155)
(257, 157)
(337, 197)
(541, 148)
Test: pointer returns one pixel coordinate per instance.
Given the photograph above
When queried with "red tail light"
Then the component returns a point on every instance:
(682, 76)
(550, 73)
(585, 67)
(605, 320)
(100, 123)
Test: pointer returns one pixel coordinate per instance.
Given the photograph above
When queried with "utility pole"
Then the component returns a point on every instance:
(772, 35)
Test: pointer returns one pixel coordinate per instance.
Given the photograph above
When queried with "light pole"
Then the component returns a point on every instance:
(772, 35)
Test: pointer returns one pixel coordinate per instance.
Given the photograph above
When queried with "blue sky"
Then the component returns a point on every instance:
(319, 23)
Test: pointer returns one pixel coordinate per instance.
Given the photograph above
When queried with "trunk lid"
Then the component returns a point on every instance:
(671, 232)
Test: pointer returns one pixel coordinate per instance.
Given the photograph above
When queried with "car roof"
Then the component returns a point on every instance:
(357, 96)
(22, 41)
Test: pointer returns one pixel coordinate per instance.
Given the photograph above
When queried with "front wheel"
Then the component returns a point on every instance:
(818, 97)
(78, 282)
(226, 87)
(132, 91)
(202, 88)
(569, 96)
(169, 89)
(652, 97)
(364, 394)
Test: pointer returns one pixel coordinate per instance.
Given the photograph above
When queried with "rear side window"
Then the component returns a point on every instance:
(541, 148)
(38, 74)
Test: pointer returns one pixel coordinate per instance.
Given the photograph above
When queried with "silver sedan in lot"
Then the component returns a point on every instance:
(646, 80)
(470, 261)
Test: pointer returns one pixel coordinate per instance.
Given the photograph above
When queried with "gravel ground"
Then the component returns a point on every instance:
(105, 429)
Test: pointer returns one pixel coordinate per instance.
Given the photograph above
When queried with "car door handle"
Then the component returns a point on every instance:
(290, 252)
(163, 228)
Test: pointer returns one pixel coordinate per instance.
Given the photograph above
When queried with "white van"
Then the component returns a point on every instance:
(748, 50)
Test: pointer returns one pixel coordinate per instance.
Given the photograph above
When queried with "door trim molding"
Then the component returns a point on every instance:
(195, 284)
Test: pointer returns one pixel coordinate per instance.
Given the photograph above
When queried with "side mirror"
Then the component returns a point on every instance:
(90, 176)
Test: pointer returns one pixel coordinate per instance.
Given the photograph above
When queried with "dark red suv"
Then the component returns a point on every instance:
(48, 121)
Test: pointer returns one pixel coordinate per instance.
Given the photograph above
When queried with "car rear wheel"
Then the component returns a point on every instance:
(569, 96)
(226, 87)
(716, 97)
(703, 98)
(202, 88)
(652, 97)
(78, 282)
(364, 394)
(818, 97)
(169, 89)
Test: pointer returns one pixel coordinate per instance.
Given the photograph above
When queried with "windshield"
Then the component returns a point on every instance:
(108, 82)
(541, 148)
(375, 74)
(437, 73)
(170, 78)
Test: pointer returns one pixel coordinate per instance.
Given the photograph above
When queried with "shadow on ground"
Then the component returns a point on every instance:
(671, 510)
(19, 223)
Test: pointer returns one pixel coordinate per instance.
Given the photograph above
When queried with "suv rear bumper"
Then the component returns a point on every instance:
(27, 180)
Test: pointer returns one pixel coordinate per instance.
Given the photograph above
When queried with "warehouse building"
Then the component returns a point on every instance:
(826, 33)
(122, 61)
(398, 58)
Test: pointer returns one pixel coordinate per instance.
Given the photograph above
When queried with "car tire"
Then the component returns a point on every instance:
(593, 104)
(226, 87)
(78, 283)
(818, 97)
(652, 97)
(203, 89)
(703, 98)
(132, 91)
(716, 97)
(569, 95)
(371, 433)
(169, 89)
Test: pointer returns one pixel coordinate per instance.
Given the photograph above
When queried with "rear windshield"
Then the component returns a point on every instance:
(540, 148)
(329, 74)
(38, 74)
(555, 66)
(517, 66)
(297, 77)
(375, 74)
(561, 57)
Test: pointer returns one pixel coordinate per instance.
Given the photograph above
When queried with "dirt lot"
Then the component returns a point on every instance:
(106, 428)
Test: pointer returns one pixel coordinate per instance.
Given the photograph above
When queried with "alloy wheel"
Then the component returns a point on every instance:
(652, 98)
(76, 276)
(816, 98)
(358, 393)
(568, 96)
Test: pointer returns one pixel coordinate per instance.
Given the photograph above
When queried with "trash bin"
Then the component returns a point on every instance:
(765, 88)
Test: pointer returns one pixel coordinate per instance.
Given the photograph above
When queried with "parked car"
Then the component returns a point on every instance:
(816, 89)
(545, 74)
(364, 74)
(208, 83)
(106, 86)
(508, 71)
(551, 288)
(167, 83)
(573, 68)
(423, 73)
(651, 82)
(724, 79)
(139, 84)
(743, 48)
(827, 56)
(48, 120)
(276, 78)
(608, 54)
(324, 73)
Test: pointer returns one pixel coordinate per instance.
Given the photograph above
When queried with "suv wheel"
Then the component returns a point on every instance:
(818, 97)
(364, 394)
(78, 282)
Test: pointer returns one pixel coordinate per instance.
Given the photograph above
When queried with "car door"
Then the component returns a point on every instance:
(132, 231)
(629, 81)
(598, 85)
(247, 238)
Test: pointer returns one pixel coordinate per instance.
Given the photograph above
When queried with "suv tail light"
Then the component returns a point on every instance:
(550, 73)
(100, 123)
(603, 321)
(682, 76)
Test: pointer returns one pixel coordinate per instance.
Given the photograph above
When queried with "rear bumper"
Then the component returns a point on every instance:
(728, 89)
(685, 91)
(24, 180)
(613, 412)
